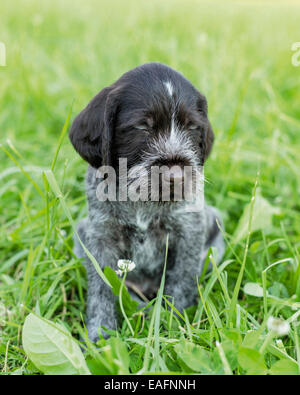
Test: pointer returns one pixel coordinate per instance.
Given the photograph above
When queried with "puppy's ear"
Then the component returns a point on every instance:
(208, 140)
(92, 130)
(208, 136)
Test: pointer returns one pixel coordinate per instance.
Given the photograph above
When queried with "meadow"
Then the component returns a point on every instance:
(238, 53)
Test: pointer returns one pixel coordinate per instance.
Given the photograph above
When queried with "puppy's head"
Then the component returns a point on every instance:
(152, 116)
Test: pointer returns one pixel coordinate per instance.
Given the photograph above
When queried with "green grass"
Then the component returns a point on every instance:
(59, 54)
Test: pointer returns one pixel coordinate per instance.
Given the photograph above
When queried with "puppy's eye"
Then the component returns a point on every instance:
(142, 127)
(193, 127)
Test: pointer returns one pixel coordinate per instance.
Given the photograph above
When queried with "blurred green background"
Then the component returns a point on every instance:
(237, 53)
(61, 53)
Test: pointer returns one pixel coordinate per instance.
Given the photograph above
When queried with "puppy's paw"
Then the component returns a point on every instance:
(93, 332)
(94, 327)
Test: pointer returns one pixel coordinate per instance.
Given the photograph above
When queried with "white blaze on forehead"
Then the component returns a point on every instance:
(172, 134)
(174, 142)
(169, 87)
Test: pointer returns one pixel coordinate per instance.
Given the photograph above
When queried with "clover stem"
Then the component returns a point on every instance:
(121, 303)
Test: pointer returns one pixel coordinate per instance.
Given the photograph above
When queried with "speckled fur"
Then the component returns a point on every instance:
(138, 231)
(166, 103)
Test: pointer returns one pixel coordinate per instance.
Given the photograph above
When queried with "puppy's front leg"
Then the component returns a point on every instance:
(191, 251)
(100, 306)
(100, 299)
(181, 279)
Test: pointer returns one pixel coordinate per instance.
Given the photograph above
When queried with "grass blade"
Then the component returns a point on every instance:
(55, 188)
(241, 273)
(158, 309)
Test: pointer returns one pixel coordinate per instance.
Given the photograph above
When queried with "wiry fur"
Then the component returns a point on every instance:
(151, 116)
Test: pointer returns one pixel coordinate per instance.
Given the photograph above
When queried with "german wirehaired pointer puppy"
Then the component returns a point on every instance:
(151, 117)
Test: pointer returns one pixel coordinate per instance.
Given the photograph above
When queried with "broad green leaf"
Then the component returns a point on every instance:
(251, 361)
(195, 357)
(51, 348)
(98, 366)
(113, 359)
(231, 334)
(279, 290)
(252, 339)
(130, 305)
(254, 289)
(120, 353)
(284, 367)
(263, 212)
(231, 352)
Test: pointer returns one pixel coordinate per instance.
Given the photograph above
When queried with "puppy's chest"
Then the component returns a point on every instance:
(144, 242)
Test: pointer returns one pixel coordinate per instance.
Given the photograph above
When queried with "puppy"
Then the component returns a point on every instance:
(152, 117)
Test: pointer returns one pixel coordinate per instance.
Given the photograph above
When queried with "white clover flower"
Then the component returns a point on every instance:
(125, 265)
(278, 326)
(119, 272)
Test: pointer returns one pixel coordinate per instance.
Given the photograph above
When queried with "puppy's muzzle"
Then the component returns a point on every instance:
(173, 182)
